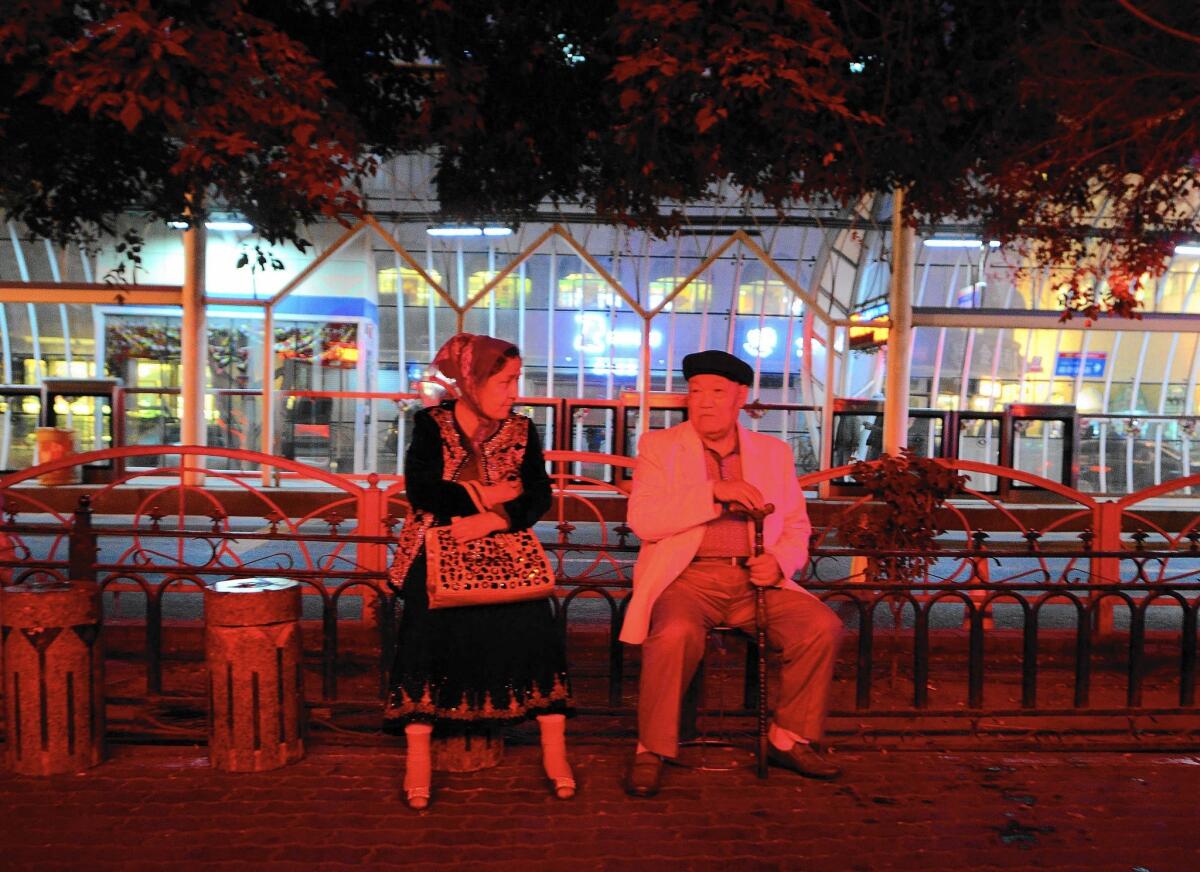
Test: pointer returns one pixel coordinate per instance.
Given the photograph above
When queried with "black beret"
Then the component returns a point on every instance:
(718, 363)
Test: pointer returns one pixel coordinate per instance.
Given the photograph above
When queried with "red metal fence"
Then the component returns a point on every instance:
(1106, 589)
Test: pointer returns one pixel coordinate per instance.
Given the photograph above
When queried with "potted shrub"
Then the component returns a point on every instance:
(907, 494)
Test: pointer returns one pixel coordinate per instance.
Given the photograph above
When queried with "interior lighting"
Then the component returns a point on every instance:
(236, 226)
(868, 337)
(951, 242)
(469, 230)
(454, 231)
(1190, 249)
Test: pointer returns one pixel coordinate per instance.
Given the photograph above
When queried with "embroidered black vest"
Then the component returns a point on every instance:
(501, 456)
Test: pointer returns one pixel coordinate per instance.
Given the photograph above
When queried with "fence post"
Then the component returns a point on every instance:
(81, 544)
(371, 512)
(372, 556)
(1106, 569)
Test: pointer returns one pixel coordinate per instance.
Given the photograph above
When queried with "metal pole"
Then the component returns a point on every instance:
(647, 360)
(193, 364)
(899, 347)
(267, 415)
(831, 336)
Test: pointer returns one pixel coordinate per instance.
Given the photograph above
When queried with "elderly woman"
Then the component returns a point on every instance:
(476, 466)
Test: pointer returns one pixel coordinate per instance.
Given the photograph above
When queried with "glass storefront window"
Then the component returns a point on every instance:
(586, 291)
(767, 296)
(505, 293)
(131, 340)
(57, 368)
(695, 297)
(410, 284)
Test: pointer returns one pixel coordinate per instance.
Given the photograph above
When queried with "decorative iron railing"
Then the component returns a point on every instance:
(1095, 615)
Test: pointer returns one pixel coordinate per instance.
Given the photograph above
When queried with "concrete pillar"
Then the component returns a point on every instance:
(255, 679)
(53, 677)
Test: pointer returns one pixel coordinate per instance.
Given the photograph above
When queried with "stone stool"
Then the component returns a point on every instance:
(469, 751)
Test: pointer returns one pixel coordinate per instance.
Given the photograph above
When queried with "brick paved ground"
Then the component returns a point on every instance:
(152, 807)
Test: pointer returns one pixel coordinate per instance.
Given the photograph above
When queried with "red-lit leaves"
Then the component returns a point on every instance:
(709, 92)
(907, 493)
(231, 105)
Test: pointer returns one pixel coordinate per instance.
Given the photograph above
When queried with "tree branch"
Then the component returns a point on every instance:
(1154, 22)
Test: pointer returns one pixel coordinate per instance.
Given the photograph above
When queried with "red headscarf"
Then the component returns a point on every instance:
(470, 359)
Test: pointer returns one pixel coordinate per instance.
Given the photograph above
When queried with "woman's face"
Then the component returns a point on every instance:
(498, 393)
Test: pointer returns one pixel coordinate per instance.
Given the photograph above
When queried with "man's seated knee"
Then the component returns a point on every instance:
(677, 633)
(820, 627)
(828, 624)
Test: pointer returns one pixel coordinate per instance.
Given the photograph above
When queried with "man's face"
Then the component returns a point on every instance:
(713, 404)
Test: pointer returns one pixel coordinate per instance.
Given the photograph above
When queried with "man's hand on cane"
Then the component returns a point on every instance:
(740, 495)
(764, 570)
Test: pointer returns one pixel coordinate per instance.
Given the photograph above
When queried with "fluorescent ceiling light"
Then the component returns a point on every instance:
(454, 231)
(1191, 249)
(993, 243)
(242, 226)
(467, 230)
(947, 242)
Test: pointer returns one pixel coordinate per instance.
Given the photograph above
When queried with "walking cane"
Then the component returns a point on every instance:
(760, 632)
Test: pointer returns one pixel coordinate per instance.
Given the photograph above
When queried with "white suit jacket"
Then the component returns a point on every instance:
(672, 500)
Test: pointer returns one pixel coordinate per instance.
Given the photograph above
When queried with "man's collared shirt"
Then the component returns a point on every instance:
(726, 535)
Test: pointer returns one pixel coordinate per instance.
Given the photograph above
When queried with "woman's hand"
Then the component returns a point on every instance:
(476, 526)
(495, 494)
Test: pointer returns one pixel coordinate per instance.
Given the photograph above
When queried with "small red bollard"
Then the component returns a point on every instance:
(53, 677)
(255, 678)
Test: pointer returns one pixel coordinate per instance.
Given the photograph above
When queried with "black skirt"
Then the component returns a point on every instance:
(474, 666)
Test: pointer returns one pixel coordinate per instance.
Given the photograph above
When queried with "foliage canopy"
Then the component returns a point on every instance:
(1062, 123)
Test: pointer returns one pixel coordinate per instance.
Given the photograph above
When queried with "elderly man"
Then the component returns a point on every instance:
(691, 487)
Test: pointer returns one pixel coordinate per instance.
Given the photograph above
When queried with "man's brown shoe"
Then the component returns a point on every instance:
(804, 759)
(644, 775)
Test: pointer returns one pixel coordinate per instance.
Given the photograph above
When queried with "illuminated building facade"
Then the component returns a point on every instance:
(601, 311)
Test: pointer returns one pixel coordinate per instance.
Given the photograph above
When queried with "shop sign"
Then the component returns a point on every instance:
(1072, 363)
